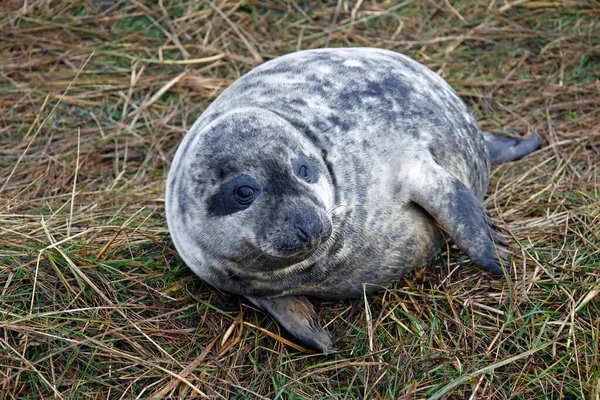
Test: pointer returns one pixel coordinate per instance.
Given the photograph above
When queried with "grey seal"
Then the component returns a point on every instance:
(332, 173)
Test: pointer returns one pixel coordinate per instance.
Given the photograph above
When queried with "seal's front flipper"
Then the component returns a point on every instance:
(502, 148)
(297, 315)
(457, 210)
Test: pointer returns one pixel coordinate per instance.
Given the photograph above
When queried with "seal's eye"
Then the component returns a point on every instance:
(306, 168)
(236, 195)
(244, 194)
(303, 173)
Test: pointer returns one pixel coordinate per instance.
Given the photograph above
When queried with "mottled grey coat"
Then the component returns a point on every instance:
(393, 148)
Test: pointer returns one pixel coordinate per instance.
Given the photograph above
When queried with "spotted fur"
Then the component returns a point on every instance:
(393, 147)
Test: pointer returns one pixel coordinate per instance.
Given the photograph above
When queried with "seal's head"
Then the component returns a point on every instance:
(248, 195)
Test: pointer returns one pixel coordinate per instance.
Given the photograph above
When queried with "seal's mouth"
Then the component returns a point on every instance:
(303, 254)
(296, 240)
(268, 260)
(299, 243)
(287, 259)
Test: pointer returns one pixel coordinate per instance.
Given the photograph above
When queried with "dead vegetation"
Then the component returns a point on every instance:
(94, 302)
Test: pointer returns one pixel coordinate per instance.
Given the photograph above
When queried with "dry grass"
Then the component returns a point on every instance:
(94, 301)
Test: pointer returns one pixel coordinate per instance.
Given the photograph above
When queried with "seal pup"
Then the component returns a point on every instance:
(332, 173)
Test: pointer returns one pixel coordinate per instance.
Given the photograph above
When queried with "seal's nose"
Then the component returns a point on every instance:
(300, 233)
(308, 227)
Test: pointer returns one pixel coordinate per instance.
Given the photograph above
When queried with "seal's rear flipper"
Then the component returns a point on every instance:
(297, 315)
(458, 212)
(502, 148)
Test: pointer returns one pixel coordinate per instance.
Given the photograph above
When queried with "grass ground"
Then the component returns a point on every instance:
(94, 301)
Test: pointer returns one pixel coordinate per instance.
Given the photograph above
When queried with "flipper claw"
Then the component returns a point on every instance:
(297, 315)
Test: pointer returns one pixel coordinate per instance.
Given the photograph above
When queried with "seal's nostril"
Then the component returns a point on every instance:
(308, 227)
(302, 234)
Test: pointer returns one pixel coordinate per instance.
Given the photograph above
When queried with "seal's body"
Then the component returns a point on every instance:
(329, 173)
